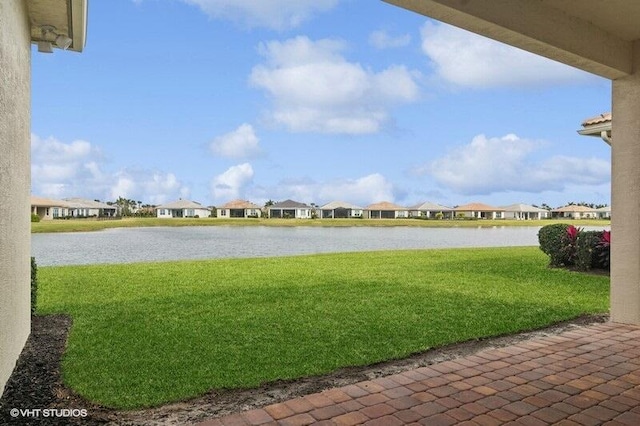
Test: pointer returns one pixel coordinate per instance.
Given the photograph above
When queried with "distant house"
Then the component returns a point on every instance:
(479, 211)
(385, 210)
(340, 210)
(290, 209)
(239, 209)
(524, 212)
(81, 207)
(574, 212)
(48, 209)
(604, 212)
(182, 208)
(430, 210)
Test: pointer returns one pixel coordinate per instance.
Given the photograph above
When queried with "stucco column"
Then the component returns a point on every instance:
(625, 219)
(15, 171)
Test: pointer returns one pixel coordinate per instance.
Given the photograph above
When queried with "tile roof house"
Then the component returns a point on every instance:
(47, 208)
(290, 209)
(385, 210)
(524, 212)
(479, 211)
(81, 207)
(182, 208)
(574, 212)
(340, 210)
(430, 210)
(239, 209)
(604, 212)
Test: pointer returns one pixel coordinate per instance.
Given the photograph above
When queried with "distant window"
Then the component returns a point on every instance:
(56, 212)
(190, 213)
(223, 212)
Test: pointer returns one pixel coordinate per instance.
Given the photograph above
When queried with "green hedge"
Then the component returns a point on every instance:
(588, 251)
(553, 241)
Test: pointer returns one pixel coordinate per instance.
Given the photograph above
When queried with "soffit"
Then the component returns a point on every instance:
(620, 18)
(69, 17)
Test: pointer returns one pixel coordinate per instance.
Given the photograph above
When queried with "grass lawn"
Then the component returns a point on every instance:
(145, 334)
(85, 225)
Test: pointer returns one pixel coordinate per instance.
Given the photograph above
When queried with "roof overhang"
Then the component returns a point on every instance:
(50, 19)
(599, 126)
(593, 35)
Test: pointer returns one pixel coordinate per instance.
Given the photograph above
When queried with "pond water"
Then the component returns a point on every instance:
(126, 245)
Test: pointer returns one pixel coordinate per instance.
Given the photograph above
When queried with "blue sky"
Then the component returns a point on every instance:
(323, 100)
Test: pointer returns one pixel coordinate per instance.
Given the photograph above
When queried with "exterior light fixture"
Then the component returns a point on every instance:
(51, 37)
(63, 42)
(45, 47)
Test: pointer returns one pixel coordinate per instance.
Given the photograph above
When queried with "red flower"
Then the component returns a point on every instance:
(573, 232)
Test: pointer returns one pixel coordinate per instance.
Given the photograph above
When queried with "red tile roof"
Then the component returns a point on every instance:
(477, 207)
(602, 118)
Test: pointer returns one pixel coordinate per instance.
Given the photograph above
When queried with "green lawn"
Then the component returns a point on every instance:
(85, 225)
(145, 334)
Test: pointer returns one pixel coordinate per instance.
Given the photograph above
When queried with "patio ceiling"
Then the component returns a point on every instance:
(593, 35)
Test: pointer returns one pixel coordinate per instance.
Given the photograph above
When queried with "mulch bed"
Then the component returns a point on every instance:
(36, 381)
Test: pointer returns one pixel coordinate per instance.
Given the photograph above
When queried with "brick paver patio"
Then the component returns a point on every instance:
(588, 376)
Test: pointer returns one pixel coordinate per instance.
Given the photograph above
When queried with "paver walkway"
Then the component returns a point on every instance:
(588, 376)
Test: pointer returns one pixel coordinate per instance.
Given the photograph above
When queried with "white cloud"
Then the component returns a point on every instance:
(470, 60)
(151, 187)
(240, 143)
(61, 169)
(232, 183)
(491, 165)
(76, 169)
(382, 40)
(361, 191)
(273, 14)
(315, 89)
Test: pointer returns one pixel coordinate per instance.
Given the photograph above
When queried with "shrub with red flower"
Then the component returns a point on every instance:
(571, 244)
(605, 249)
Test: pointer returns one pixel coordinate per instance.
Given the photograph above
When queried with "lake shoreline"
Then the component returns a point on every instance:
(90, 225)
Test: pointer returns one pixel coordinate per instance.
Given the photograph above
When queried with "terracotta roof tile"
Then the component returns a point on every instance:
(477, 207)
(47, 202)
(384, 205)
(602, 118)
(240, 204)
(573, 208)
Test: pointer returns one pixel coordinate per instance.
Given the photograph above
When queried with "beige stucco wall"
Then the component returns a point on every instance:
(15, 244)
(625, 197)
